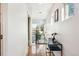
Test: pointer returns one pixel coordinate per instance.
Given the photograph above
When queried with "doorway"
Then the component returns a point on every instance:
(39, 42)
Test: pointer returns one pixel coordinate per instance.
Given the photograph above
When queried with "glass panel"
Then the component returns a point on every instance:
(38, 40)
(68, 10)
(62, 14)
(71, 9)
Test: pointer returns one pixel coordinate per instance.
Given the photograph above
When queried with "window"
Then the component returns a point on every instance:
(62, 13)
(67, 11)
(71, 9)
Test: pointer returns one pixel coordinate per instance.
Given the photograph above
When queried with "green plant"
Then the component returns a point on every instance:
(39, 29)
(38, 35)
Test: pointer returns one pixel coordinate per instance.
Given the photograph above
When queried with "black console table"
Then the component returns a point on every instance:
(54, 47)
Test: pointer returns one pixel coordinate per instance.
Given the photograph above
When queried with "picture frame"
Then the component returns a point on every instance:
(56, 15)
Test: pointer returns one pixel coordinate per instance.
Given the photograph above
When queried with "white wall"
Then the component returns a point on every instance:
(16, 28)
(68, 32)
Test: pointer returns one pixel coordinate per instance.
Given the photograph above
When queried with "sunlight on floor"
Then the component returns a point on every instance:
(39, 51)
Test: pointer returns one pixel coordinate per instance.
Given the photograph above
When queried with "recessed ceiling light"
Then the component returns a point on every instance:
(40, 12)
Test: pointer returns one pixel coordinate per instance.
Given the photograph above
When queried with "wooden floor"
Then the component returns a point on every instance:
(42, 54)
(39, 51)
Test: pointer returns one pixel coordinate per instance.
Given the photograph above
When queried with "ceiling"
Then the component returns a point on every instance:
(39, 11)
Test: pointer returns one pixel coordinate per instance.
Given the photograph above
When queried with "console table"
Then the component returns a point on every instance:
(54, 47)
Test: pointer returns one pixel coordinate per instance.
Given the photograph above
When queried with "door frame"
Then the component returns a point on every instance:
(0, 28)
(29, 36)
(1, 36)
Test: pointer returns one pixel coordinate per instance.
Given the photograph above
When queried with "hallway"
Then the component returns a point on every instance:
(39, 29)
